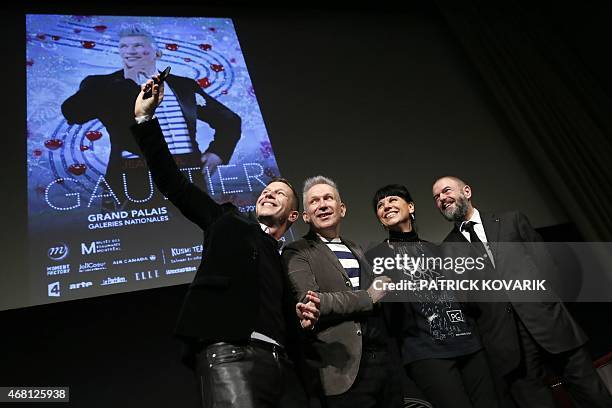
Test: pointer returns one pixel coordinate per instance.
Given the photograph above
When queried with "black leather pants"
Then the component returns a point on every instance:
(248, 376)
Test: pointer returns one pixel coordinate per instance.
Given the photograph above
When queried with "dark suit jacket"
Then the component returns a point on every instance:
(311, 265)
(110, 98)
(549, 323)
(222, 302)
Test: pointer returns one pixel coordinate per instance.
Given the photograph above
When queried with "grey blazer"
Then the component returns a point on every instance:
(337, 338)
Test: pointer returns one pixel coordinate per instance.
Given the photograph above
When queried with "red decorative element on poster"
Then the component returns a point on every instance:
(53, 144)
(204, 82)
(93, 135)
(83, 147)
(172, 47)
(77, 168)
(37, 152)
(41, 37)
(100, 28)
(217, 67)
(55, 37)
(88, 44)
(205, 47)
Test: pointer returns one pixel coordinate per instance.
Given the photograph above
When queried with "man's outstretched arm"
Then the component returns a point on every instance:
(194, 203)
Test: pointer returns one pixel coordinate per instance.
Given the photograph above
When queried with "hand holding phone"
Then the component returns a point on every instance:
(162, 77)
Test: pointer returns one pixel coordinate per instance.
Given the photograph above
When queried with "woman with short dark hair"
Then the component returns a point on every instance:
(440, 350)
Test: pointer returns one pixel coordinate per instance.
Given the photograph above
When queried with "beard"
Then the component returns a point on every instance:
(459, 212)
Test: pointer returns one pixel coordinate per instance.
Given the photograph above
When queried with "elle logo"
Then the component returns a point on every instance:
(146, 275)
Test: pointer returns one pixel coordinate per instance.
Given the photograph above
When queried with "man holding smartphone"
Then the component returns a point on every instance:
(238, 317)
(110, 99)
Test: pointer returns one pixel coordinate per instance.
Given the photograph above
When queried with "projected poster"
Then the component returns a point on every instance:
(97, 225)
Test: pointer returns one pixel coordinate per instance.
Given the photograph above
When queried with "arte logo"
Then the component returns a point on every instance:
(113, 281)
(80, 285)
(58, 251)
(53, 289)
(146, 275)
(455, 316)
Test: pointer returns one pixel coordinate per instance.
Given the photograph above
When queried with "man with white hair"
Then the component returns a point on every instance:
(352, 349)
(110, 99)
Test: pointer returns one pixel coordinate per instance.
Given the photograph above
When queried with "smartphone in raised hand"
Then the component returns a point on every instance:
(162, 77)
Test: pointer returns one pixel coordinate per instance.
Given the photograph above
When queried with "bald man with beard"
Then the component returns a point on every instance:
(520, 338)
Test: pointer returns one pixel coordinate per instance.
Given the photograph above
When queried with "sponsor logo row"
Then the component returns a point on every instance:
(60, 251)
(54, 289)
(64, 269)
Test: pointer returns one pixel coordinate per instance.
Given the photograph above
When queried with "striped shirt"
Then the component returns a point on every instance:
(172, 124)
(346, 258)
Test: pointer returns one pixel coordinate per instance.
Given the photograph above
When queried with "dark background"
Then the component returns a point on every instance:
(367, 95)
